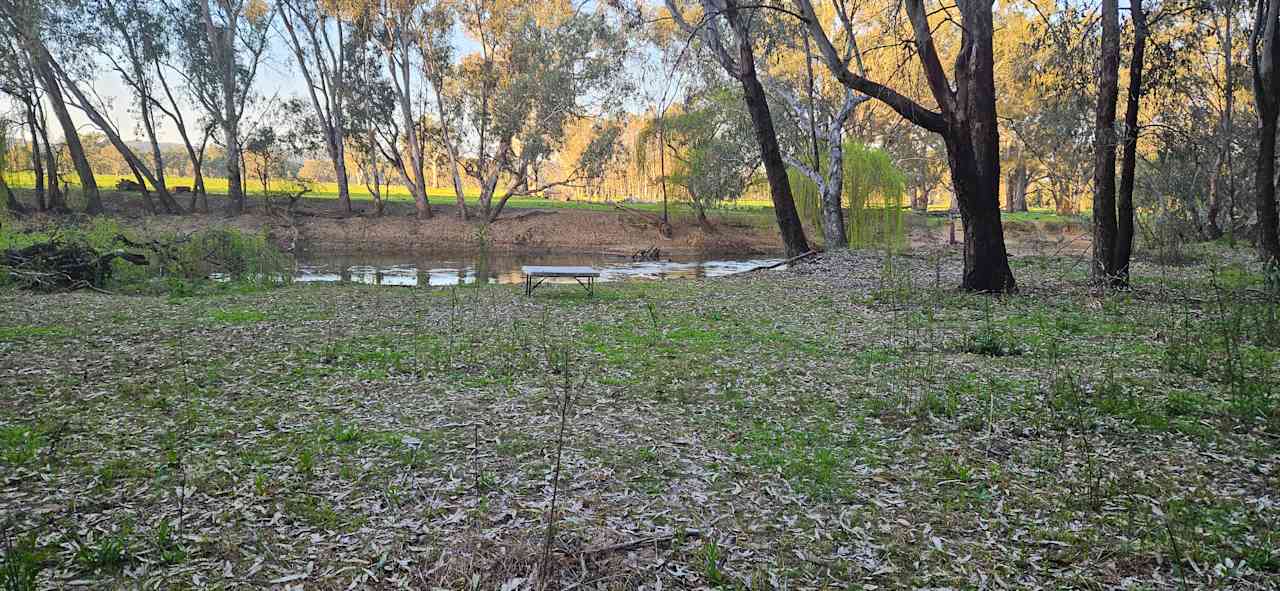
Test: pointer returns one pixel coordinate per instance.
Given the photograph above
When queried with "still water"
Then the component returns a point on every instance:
(416, 270)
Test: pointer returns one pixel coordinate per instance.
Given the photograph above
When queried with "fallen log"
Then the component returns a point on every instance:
(780, 263)
(56, 266)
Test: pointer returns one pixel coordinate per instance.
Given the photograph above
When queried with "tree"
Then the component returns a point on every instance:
(1104, 145)
(400, 23)
(321, 43)
(823, 122)
(966, 120)
(29, 23)
(712, 143)
(1264, 51)
(17, 80)
(224, 46)
(726, 19)
(539, 70)
(130, 35)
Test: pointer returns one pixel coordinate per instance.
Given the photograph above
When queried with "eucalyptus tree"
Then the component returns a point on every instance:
(11, 202)
(17, 81)
(223, 44)
(537, 70)
(130, 35)
(726, 29)
(1264, 51)
(322, 41)
(401, 26)
(966, 120)
(31, 23)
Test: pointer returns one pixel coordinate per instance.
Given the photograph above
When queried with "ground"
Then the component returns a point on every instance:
(854, 422)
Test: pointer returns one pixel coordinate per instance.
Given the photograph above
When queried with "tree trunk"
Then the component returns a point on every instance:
(1015, 185)
(88, 185)
(784, 207)
(1212, 229)
(57, 201)
(136, 165)
(1265, 50)
(1104, 146)
(10, 200)
(1128, 157)
(37, 159)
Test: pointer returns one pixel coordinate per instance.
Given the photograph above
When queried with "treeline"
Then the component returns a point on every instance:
(1163, 113)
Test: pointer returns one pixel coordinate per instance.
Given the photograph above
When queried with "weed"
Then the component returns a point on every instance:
(21, 562)
(20, 445)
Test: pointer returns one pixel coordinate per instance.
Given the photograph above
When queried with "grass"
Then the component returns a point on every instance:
(814, 430)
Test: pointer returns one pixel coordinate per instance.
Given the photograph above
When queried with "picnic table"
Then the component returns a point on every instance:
(541, 273)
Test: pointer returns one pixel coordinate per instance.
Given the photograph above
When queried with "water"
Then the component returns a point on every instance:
(416, 270)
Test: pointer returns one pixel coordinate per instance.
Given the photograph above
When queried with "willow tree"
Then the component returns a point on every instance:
(965, 118)
(872, 189)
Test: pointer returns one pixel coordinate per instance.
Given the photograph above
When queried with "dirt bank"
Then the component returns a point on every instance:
(318, 226)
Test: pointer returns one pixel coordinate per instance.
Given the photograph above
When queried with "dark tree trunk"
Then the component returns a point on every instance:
(37, 160)
(56, 201)
(1104, 145)
(10, 200)
(1129, 153)
(784, 206)
(966, 120)
(1265, 50)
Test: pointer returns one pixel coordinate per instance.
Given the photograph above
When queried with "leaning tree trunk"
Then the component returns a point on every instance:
(10, 200)
(1104, 146)
(784, 206)
(41, 60)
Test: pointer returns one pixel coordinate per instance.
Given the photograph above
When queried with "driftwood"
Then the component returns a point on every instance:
(647, 254)
(56, 266)
(781, 263)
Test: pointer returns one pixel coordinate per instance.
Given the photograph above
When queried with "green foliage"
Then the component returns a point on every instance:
(213, 258)
(712, 152)
(872, 197)
(19, 445)
(21, 563)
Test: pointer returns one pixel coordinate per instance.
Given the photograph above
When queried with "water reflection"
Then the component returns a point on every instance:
(490, 268)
